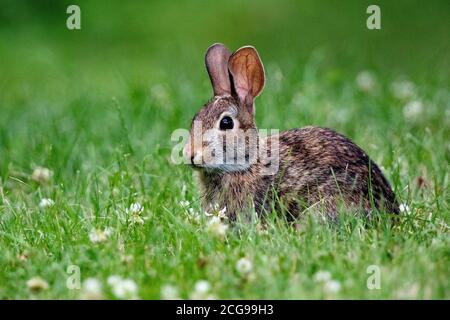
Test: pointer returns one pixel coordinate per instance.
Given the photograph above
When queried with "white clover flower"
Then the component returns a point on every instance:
(45, 203)
(212, 209)
(222, 213)
(91, 289)
(201, 291)
(202, 286)
(208, 214)
(123, 288)
(413, 109)
(403, 90)
(322, 276)
(136, 208)
(135, 211)
(42, 175)
(332, 286)
(244, 266)
(216, 227)
(216, 211)
(169, 292)
(365, 80)
(126, 289)
(113, 280)
(37, 284)
(136, 219)
(98, 235)
(404, 208)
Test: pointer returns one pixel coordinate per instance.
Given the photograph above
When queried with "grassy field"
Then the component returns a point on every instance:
(97, 106)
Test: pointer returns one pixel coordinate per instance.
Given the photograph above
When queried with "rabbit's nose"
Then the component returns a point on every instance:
(191, 156)
(196, 159)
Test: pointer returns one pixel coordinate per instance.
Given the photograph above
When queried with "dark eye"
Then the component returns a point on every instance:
(226, 123)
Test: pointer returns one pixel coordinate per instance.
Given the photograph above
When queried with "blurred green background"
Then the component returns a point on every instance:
(147, 41)
(133, 51)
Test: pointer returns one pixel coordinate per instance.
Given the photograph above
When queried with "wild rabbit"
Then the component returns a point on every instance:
(294, 170)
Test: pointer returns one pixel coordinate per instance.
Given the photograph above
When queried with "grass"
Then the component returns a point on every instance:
(97, 107)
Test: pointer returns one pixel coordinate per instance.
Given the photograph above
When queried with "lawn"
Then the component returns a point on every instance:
(91, 205)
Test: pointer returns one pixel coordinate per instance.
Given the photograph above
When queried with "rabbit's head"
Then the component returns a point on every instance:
(223, 135)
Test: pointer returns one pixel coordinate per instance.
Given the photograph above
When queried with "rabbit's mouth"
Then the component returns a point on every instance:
(196, 166)
(213, 161)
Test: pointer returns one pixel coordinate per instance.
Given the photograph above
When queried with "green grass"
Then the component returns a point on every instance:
(98, 106)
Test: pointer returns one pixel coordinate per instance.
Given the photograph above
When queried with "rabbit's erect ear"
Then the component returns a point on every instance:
(247, 71)
(216, 61)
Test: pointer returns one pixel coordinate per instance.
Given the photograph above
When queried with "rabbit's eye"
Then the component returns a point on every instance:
(226, 123)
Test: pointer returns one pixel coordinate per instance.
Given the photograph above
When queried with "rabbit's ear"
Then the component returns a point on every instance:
(247, 72)
(216, 61)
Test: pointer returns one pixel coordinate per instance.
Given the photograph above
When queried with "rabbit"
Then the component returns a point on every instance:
(318, 168)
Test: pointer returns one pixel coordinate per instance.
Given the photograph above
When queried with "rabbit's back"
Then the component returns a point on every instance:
(320, 167)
